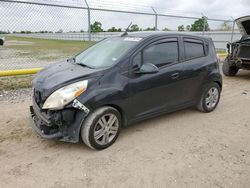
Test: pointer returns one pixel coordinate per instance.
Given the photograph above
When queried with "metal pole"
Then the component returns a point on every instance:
(232, 35)
(89, 21)
(156, 19)
(204, 23)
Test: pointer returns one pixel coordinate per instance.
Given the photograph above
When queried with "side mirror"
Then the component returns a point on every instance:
(148, 68)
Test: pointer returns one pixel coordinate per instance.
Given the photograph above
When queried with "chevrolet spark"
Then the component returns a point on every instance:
(123, 80)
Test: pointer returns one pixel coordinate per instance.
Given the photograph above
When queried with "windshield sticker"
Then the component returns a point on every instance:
(132, 39)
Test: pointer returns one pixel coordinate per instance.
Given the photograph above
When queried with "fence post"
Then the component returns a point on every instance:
(156, 19)
(232, 35)
(204, 24)
(89, 21)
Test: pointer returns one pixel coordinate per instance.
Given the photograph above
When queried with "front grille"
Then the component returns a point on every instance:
(244, 52)
(38, 97)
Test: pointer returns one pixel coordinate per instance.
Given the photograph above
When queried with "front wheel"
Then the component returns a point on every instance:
(209, 98)
(101, 128)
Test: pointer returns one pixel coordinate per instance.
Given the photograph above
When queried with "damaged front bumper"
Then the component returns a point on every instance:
(63, 125)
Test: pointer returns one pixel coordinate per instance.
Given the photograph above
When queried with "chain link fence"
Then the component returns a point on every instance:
(41, 32)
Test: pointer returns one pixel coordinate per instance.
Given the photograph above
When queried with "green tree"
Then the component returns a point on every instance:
(199, 24)
(225, 26)
(114, 29)
(134, 27)
(60, 31)
(96, 27)
(166, 29)
(25, 32)
(150, 29)
(181, 28)
(4, 32)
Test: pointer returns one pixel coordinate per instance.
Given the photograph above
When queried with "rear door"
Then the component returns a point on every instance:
(196, 66)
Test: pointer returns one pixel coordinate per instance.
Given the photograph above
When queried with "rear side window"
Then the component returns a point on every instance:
(161, 54)
(194, 48)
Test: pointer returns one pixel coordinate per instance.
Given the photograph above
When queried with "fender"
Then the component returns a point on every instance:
(116, 97)
(214, 77)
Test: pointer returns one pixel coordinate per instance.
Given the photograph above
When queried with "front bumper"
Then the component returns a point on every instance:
(62, 125)
(38, 123)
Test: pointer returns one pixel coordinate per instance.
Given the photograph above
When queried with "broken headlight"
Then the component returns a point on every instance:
(64, 95)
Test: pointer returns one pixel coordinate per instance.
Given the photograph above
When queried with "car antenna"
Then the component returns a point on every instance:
(126, 30)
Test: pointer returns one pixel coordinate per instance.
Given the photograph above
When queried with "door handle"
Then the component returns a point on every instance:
(175, 76)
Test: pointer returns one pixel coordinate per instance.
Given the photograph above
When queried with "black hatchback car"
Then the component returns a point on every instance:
(123, 80)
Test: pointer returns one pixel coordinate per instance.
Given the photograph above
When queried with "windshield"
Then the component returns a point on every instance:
(107, 52)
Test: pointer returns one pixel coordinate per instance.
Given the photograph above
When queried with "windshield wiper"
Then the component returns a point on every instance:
(84, 65)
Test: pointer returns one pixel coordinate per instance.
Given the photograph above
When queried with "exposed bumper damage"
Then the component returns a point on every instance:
(63, 125)
(239, 53)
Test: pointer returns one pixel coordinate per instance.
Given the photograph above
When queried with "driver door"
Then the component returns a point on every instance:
(155, 92)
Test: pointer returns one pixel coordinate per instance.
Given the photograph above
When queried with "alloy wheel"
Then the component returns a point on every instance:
(106, 129)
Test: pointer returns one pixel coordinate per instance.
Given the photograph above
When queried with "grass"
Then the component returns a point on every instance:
(40, 50)
(15, 82)
(44, 49)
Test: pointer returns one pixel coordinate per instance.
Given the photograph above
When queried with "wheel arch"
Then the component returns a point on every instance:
(219, 83)
(120, 110)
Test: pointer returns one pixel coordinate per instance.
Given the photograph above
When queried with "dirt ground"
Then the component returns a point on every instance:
(182, 149)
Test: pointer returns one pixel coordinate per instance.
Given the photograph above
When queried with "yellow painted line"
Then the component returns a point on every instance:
(19, 72)
(222, 54)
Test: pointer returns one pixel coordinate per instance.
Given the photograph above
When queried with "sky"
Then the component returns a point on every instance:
(17, 17)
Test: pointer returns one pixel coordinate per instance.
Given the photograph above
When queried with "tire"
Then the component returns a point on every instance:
(229, 70)
(209, 99)
(1, 42)
(97, 123)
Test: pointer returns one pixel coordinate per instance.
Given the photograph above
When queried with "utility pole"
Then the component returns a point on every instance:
(156, 19)
(89, 21)
(204, 23)
(232, 35)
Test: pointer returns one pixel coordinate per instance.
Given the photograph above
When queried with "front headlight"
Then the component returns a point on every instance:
(63, 96)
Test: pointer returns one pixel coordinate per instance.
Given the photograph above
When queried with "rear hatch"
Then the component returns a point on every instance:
(244, 25)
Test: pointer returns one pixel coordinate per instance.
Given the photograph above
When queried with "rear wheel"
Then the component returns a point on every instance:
(229, 70)
(101, 128)
(209, 98)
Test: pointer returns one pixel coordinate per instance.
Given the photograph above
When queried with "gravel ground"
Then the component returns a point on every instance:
(15, 96)
(182, 149)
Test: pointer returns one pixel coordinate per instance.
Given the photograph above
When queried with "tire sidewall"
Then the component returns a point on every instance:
(90, 128)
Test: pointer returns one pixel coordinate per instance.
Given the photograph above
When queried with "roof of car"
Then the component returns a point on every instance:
(145, 34)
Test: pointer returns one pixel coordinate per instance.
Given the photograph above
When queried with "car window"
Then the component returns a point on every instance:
(107, 52)
(137, 61)
(193, 49)
(161, 54)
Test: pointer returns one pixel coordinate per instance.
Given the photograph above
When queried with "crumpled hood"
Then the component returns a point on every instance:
(60, 74)
(243, 24)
